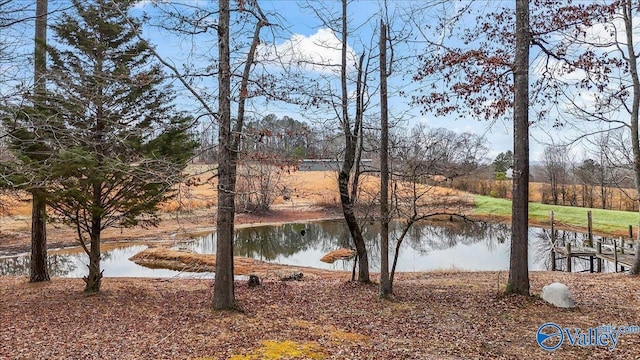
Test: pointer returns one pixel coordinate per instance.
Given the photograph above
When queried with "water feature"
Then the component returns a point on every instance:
(446, 245)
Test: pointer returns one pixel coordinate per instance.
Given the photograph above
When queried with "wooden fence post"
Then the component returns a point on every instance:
(599, 251)
(568, 256)
(615, 254)
(590, 228)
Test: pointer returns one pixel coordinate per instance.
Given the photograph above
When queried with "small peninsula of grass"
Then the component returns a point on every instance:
(604, 221)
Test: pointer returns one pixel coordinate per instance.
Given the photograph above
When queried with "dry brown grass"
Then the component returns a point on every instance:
(339, 254)
(619, 200)
(187, 261)
(311, 188)
(16, 204)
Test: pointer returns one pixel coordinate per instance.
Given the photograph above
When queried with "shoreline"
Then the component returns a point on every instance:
(173, 228)
(177, 228)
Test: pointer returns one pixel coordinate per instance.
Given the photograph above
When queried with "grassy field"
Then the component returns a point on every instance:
(319, 188)
(604, 221)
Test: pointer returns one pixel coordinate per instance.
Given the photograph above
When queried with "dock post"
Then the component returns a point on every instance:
(553, 230)
(590, 228)
(622, 245)
(615, 254)
(599, 251)
(630, 231)
(553, 243)
(569, 257)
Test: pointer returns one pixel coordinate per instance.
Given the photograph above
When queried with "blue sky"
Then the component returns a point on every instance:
(300, 28)
(306, 29)
(303, 26)
(301, 31)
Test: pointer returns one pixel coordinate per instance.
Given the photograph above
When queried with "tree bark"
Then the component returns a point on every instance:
(385, 283)
(39, 270)
(354, 227)
(94, 279)
(223, 289)
(518, 267)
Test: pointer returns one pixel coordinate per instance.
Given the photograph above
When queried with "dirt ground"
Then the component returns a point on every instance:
(434, 315)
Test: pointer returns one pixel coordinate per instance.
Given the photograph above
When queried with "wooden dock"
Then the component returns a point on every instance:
(620, 252)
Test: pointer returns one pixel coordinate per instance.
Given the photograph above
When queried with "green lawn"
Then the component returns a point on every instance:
(605, 221)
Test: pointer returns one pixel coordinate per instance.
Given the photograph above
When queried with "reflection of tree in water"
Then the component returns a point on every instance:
(330, 235)
(15, 266)
(59, 265)
(426, 237)
(269, 242)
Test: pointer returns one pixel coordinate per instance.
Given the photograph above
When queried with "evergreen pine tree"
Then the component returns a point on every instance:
(120, 146)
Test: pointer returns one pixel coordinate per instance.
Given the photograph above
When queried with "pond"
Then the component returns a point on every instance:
(441, 246)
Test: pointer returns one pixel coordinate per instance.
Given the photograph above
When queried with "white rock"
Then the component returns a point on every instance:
(558, 294)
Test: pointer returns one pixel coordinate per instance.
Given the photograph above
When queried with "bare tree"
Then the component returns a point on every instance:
(193, 20)
(353, 149)
(258, 185)
(424, 161)
(519, 260)
(593, 54)
(223, 291)
(555, 166)
(228, 145)
(586, 174)
(348, 100)
(385, 283)
(468, 75)
(15, 20)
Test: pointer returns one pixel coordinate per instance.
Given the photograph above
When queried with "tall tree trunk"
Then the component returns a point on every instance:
(94, 279)
(351, 144)
(352, 224)
(385, 282)
(518, 266)
(39, 271)
(635, 141)
(223, 291)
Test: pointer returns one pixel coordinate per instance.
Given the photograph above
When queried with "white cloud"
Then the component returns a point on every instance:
(320, 52)
(142, 3)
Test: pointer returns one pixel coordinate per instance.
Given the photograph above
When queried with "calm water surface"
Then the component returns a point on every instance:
(447, 245)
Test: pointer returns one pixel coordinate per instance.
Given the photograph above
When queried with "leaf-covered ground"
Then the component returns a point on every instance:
(436, 315)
